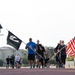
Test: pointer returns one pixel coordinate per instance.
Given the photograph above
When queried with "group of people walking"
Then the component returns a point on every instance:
(13, 61)
(39, 56)
(42, 56)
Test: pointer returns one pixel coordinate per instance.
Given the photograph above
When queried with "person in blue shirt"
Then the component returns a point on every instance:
(31, 46)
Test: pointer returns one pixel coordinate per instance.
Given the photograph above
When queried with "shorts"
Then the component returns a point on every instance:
(38, 57)
(31, 57)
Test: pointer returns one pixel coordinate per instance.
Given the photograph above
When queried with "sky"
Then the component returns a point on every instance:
(46, 20)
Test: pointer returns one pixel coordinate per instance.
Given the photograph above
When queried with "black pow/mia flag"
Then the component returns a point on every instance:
(13, 40)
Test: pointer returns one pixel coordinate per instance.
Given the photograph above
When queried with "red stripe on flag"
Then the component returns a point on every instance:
(70, 50)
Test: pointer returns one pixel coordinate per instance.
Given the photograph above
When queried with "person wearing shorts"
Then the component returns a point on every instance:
(31, 46)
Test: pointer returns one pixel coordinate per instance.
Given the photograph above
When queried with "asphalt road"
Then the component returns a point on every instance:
(36, 71)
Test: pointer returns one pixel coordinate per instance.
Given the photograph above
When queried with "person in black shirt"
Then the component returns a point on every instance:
(42, 59)
(60, 51)
(62, 47)
(57, 54)
(8, 62)
(12, 61)
(39, 58)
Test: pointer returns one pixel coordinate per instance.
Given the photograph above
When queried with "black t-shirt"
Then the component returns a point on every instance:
(8, 60)
(63, 49)
(57, 48)
(40, 49)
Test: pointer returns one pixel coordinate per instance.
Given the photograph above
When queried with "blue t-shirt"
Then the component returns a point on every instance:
(31, 47)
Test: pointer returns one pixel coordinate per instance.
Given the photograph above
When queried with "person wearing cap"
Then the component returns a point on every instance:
(31, 46)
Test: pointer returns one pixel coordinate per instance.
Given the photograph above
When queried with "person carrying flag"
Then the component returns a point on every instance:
(31, 46)
(63, 54)
(40, 50)
(56, 49)
(60, 51)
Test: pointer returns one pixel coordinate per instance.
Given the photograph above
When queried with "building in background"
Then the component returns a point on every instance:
(8, 51)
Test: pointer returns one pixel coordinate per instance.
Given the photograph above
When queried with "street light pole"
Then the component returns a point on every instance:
(0, 30)
(74, 61)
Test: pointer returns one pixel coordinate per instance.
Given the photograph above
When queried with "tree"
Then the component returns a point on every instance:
(25, 60)
(1, 62)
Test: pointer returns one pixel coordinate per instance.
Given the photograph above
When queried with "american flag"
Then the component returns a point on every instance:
(70, 50)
